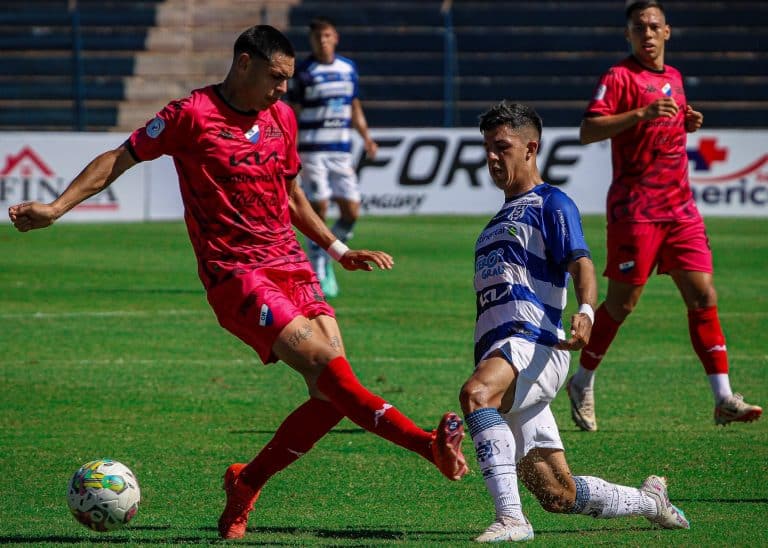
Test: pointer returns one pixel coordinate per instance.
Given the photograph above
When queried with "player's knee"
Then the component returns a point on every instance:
(620, 310)
(704, 298)
(476, 395)
(311, 360)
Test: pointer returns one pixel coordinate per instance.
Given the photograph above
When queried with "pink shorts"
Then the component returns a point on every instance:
(257, 305)
(634, 249)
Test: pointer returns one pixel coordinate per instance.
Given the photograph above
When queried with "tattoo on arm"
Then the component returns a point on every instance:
(302, 334)
(335, 343)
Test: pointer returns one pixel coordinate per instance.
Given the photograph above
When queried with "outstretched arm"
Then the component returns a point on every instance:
(311, 225)
(96, 176)
(585, 286)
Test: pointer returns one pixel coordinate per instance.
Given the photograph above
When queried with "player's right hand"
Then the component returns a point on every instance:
(664, 107)
(581, 330)
(30, 215)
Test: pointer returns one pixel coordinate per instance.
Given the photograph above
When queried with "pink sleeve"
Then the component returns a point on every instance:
(163, 134)
(608, 93)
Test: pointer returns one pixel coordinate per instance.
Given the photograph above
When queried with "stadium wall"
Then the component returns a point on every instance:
(417, 171)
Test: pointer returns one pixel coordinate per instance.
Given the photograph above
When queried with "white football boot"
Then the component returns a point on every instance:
(507, 529)
(669, 516)
(735, 409)
(582, 406)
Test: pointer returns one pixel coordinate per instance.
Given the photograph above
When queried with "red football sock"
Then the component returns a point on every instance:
(296, 435)
(339, 383)
(708, 339)
(603, 333)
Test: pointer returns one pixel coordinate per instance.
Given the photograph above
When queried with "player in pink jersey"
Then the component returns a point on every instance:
(653, 221)
(234, 147)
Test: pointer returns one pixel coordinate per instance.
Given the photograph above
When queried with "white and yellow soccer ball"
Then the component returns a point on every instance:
(103, 495)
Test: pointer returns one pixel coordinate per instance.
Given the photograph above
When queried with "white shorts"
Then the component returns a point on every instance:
(326, 175)
(542, 371)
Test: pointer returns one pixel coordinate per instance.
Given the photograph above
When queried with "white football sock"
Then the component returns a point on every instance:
(584, 378)
(597, 498)
(721, 386)
(495, 449)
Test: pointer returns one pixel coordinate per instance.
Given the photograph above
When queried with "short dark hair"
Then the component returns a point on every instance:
(632, 7)
(514, 115)
(263, 41)
(321, 22)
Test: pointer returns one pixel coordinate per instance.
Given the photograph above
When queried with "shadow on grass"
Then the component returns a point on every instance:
(28, 540)
(724, 501)
(106, 539)
(543, 533)
(152, 290)
(353, 533)
(368, 536)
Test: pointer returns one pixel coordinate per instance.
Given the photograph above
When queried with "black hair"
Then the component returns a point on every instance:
(514, 115)
(632, 7)
(320, 22)
(263, 41)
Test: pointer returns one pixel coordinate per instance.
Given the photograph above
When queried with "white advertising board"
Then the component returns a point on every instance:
(417, 171)
(443, 171)
(163, 191)
(39, 166)
(728, 171)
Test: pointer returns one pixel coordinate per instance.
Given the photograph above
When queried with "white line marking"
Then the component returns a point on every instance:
(219, 361)
(101, 314)
(346, 311)
(239, 361)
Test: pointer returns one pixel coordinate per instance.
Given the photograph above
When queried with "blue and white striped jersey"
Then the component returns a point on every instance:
(521, 268)
(325, 93)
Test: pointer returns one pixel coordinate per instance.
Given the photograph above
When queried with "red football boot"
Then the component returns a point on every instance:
(240, 499)
(446, 447)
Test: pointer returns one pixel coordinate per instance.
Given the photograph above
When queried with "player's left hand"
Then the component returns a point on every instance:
(581, 329)
(360, 259)
(693, 119)
(371, 148)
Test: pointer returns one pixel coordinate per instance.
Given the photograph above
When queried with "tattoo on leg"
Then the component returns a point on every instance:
(302, 334)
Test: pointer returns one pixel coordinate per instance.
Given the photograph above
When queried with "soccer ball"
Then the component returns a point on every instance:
(103, 495)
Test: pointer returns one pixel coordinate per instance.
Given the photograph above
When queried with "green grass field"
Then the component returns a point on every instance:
(109, 349)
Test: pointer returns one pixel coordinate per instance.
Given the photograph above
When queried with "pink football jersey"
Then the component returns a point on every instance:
(233, 170)
(650, 162)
